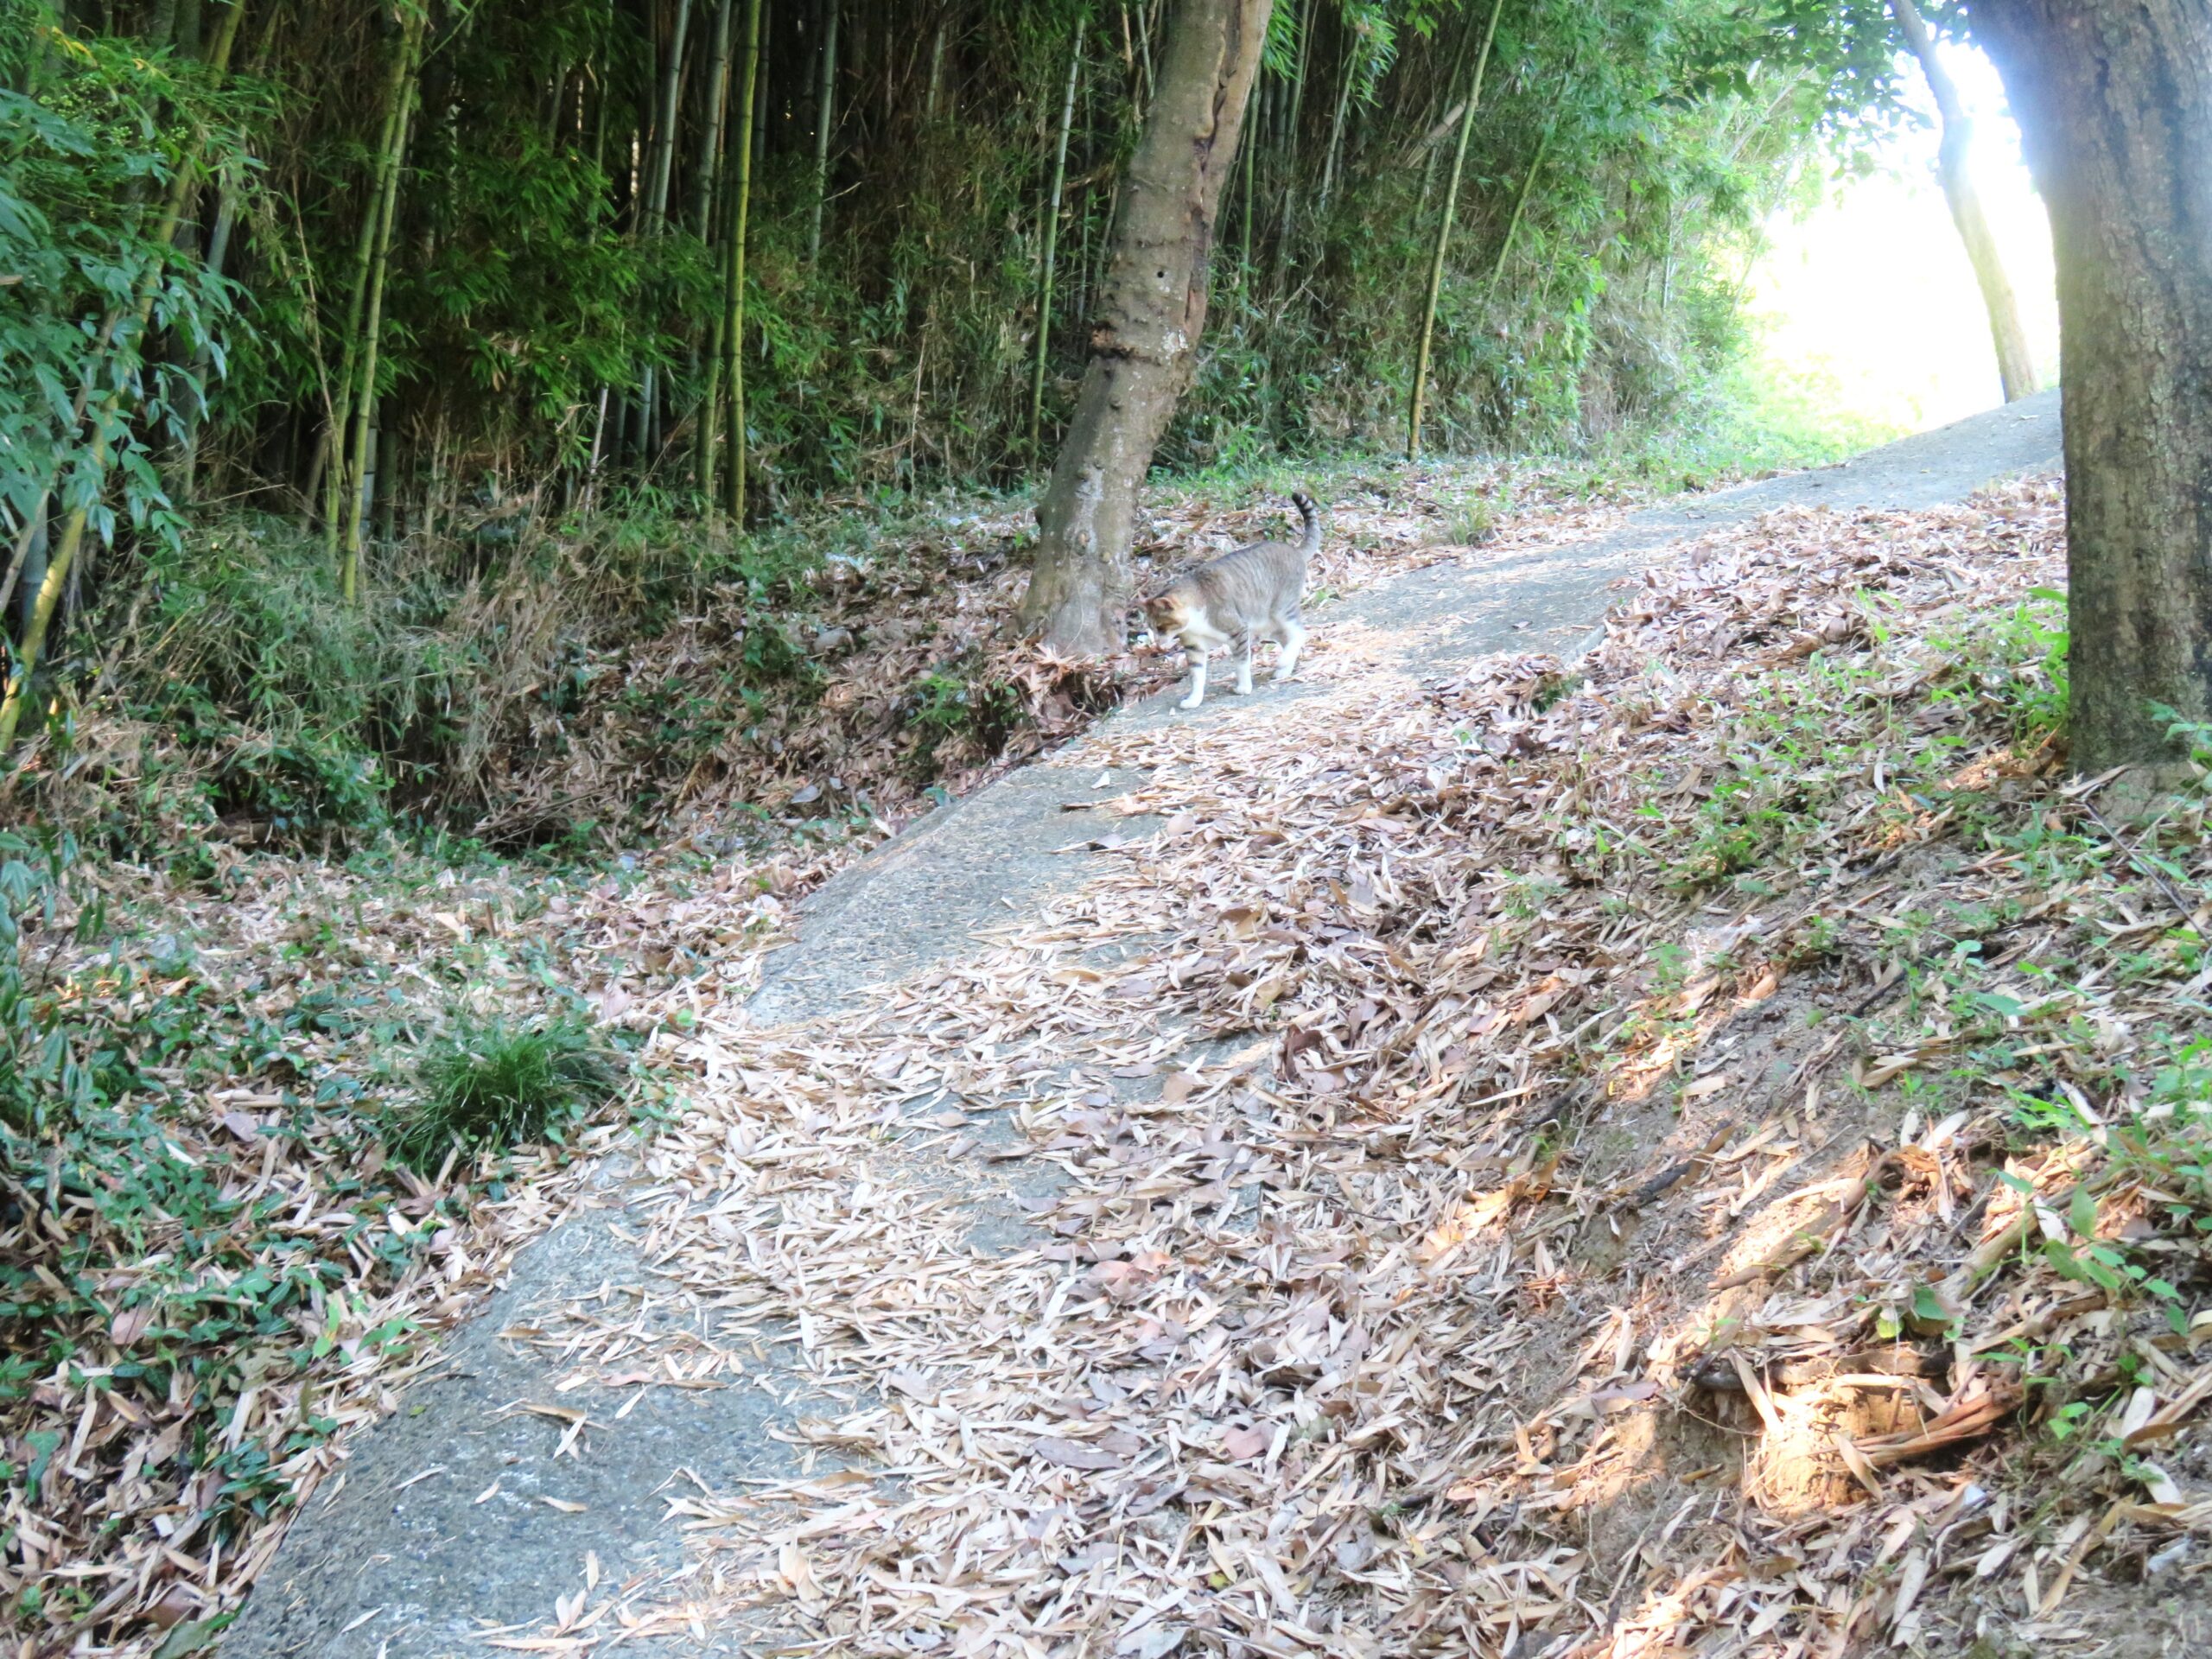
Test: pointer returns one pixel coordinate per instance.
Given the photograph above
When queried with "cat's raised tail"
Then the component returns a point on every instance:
(1310, 515)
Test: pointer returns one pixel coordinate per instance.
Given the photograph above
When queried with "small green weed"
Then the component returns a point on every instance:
(954, 700)
(1470, 523)
(493, 1086)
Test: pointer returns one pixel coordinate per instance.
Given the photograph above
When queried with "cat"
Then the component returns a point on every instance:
(1251, 592)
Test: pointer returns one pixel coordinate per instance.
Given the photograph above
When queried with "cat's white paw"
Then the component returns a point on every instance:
(1280, 675)
(1188, 702)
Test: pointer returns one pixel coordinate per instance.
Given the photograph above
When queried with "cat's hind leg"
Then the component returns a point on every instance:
(1244, 662)
(1292, 633)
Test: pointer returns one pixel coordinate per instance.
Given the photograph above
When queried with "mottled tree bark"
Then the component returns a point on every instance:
(1144, 344)
(2015, 366)
(2115, 104)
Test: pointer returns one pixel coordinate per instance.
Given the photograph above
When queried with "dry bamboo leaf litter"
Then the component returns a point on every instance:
(142, 1501)
(1334, 1333)
(1339, 1306)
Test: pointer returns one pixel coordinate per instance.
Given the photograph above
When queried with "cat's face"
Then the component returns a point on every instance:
(1166, 613)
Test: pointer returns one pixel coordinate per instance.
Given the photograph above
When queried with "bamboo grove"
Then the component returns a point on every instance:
(374, 269)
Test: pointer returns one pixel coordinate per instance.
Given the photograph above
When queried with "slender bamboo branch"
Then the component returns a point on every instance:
(1051, 240)
(1443, 238)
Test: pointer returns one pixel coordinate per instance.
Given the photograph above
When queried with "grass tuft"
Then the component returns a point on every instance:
(493, 1086)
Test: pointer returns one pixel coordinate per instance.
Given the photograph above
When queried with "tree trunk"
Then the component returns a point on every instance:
(826, 121)
(2016, 368)
(1144, 344)
(2115, 104)
(1051, 242)
(1444, 237)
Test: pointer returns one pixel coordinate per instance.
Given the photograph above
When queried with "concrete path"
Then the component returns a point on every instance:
(396, 1566)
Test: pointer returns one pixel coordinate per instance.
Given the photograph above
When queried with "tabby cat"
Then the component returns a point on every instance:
(1246, 594)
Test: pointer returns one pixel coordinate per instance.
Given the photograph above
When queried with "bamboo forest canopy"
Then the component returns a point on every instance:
(452, 253)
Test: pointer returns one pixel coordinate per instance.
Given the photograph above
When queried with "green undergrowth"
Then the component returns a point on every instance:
(241, 1124)
(234, 694)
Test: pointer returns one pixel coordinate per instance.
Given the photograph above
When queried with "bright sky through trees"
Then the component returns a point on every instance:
(1868, 303)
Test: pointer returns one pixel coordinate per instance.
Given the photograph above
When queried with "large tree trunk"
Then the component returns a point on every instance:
(2016, 367)
(1144, 344)
(2115, 104)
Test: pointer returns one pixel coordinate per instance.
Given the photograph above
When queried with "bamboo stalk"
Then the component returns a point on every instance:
(1251, 149)
(733, 344)
(760, 104)
(1298, 91)
(1520, 204)
(339, 416)
(1051, 240)
(664, 140)
(824, 124)
(657, 193)
(63, 558)
(703, 213)
(1352, 50)
(711, 137)
(1144, 49)
(1287, 219)
(1443, 239)
(351, 503)
(203, 360)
